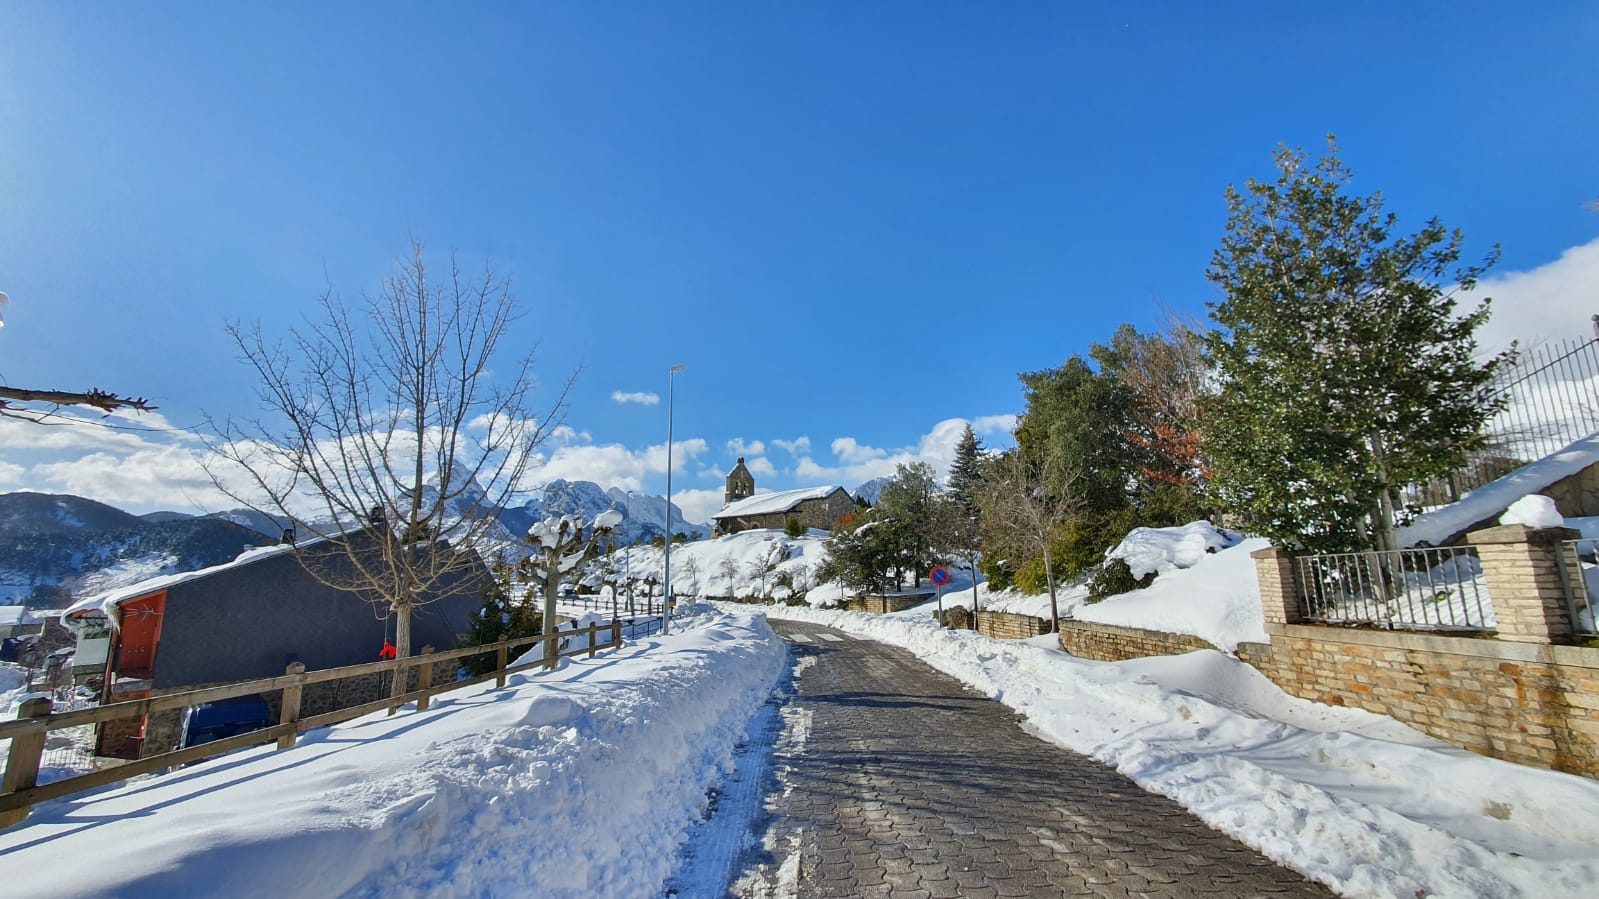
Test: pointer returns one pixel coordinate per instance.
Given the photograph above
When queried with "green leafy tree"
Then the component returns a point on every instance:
(794, 528)
(907, 510)
(1345, 371)
(1166, 373)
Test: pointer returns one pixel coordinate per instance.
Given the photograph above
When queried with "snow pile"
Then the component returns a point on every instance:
(1217, 600)
(1534, 511)
(579, 782)
(1351, 799)
(1162, 550)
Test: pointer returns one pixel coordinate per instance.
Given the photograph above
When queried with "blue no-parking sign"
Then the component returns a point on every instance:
(939, 576)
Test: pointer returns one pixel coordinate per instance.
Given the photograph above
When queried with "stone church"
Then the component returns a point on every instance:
(815, 507)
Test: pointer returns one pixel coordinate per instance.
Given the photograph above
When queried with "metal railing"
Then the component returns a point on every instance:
(1551, 397)
(1415, 589)
(1579, 572)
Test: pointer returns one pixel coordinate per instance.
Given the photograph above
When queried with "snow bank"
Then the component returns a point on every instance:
(1162, 550)
(579, 782)
(1354, 800)
(1534, 511)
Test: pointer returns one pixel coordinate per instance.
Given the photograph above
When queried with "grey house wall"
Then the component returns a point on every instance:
(250, 621)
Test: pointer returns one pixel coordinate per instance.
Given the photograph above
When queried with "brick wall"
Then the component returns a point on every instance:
(1533, 704)
(1111, 643)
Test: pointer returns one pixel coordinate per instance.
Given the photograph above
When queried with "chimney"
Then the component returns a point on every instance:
(288, 537)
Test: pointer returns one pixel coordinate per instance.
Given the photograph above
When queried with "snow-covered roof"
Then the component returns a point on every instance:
(107, 602)
(768, 503)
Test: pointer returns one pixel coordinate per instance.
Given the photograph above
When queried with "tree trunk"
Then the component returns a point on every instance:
(552, 583)
(1049, 577)
(402, 646)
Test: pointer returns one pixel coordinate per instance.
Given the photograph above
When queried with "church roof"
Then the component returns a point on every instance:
(768, 503)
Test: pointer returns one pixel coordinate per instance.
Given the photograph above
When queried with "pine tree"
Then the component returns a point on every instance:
(1345, 372)
(966, 472)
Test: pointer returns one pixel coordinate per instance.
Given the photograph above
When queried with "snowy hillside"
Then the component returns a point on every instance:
(66, 543)
(766, 563)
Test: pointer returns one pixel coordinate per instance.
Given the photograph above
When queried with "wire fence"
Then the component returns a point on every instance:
(1551, 397)
(1580, 577)
(1415, 589)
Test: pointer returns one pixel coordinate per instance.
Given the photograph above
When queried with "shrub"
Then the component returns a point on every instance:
(1114, 577)
(793, 528)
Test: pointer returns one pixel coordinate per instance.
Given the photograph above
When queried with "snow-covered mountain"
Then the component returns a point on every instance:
(52, 545)
(643, 515)
(871, 490)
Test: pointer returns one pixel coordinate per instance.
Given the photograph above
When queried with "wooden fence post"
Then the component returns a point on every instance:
(500, 661)
(22, 765)
(290, 712)
(424, 681)
(616, 633)
(594, 631)
(552, 650)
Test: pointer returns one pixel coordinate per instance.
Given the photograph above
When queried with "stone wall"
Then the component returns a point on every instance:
(886, 603)
(1010, 626)
(1112, 643)
(1527, 703)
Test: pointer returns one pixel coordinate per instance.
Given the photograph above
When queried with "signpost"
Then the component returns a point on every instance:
(940, 577)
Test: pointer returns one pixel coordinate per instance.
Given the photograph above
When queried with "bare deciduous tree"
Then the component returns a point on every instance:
(383, 421)
(1024, 499)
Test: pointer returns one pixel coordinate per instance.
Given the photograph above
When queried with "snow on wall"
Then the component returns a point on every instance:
(1489, 500)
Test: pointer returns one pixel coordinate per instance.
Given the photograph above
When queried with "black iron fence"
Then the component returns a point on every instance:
(1551, 398)
(1414, 589)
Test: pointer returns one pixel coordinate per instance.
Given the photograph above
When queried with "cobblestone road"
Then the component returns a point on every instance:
(896, 781)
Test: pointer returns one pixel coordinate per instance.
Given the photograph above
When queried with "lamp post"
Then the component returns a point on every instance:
(666, 596)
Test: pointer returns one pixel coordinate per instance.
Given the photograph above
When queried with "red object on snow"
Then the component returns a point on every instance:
(389, 651)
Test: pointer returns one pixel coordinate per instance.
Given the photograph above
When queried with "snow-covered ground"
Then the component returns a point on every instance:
(584, 781)
(1354, 800)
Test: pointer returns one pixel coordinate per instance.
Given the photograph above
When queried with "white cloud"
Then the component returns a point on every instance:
(797, 446)
(1551, 302)
(698, 505)
(848, 450)
(643, 399)
(761, 467)
(859, 463)
(994, 425)
(737, 447)
(613, 465)
(11, 474)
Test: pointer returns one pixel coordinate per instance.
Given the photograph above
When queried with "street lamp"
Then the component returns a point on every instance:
(666, 597)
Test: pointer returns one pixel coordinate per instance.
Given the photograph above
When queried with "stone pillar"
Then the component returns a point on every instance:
(1279, 587)
(1522, 566)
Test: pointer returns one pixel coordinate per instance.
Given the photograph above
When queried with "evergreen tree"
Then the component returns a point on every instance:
(966, 472)
(1345, 372)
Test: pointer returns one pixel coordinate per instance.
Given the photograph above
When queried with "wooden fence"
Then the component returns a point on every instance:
(20, 790)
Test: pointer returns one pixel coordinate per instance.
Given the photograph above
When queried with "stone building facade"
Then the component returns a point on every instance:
(813, 507)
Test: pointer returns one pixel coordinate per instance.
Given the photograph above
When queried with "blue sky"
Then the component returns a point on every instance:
(849, 222)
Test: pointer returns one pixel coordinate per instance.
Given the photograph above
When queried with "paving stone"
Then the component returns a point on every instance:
(910, 785)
